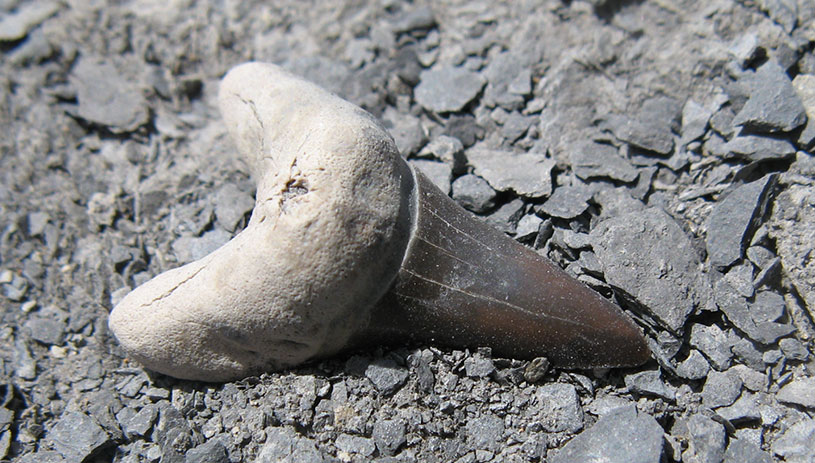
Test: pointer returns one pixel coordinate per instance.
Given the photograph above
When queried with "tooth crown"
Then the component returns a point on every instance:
(327, 235)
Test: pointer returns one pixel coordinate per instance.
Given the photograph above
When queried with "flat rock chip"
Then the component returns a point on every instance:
(733, 220)
(106, 97)
(447, 89)
(485, 432)
(694, 367)
(756, 148)
(800, 391)
(791, 224)
(706, 439)
(439, 173)
(286, 445)
(560, 408)
(597, 160)
(721, 389)
(744, 451)
(804, 85)
(473, 193)
(642, 134)
(16, 25)
(527, 174)
(648, 383)
(748, 317)
(77, 436)
(695, 118)
(386, 375)
(651, 260)
(567, 202)
(621, 436)
(212, 451)
(774, 106)
(795, 445)
(231, 205)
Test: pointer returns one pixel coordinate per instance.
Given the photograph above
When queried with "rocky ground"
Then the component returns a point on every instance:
(659, 150)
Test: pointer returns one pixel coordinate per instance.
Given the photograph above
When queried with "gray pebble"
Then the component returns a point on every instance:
(721, 389)
(37, 222)
(515, 126)
(694, 367)
(747, 353)
(478, 366)
(473, 193)
(740, 278)
(649, 383)
(567, 202)
(450, 150)
(560, 408)
(800, 391)
(642, 134)
(793, 349)
(107, 98)
(706, 440)
(795, 444)
(755, 148)
(192, 248)
(421, 18)
(774, 106)
(597, 160)
(507, 216)
(744, 48)
(528, 226)
(77, 436)
(502, 72)
(712, 341)
(389, 436)
(782, 12)
(611, 440)
(464, 128)
(447, 88)
(732, 221)
(43, 456)
(140, 424)
(231, 205)
(744, 451)
(406, 130)
(527, 174)
(15, 26)
(536, 369)
(747, 317)
(744, 410)
(386, 376)
(46, 330)
(637, 249)
(485, 432)
(212, 451)
(355, 445)
(284, 444)
(439, 173)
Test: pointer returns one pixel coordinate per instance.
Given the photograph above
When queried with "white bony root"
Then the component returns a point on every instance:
(326, 238)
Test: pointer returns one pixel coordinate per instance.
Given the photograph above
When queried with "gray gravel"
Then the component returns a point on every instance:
(659, 151)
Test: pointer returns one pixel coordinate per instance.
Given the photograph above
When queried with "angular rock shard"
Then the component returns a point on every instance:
(349, 246)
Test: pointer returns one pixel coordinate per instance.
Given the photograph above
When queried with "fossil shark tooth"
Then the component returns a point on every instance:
(349, 246)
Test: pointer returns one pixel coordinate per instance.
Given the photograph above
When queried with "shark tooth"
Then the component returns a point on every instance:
(349, 246)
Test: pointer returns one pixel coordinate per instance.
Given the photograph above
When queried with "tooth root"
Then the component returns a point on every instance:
(464, 284)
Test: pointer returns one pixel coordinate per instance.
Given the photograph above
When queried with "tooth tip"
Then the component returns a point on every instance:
(465, 284)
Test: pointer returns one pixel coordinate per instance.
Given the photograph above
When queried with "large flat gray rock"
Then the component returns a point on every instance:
(527, 174)
(448, 88)
(652, 262)
(733, 220)
(623, 435)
